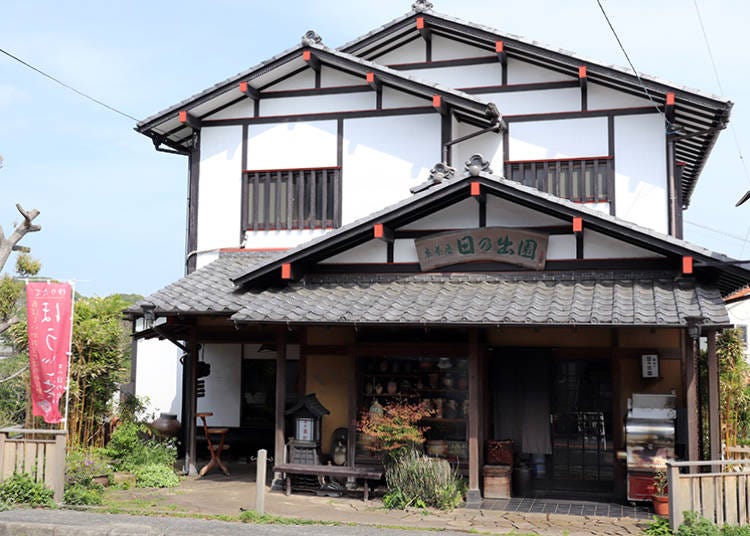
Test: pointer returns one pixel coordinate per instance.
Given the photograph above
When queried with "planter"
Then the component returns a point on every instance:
(166, 425)
(661, 505)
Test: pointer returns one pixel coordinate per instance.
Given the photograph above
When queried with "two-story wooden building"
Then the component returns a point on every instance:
(437, 211)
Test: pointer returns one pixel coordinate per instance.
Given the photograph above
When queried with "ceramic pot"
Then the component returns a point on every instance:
(661, 505)
(392, 387)
(166, 425)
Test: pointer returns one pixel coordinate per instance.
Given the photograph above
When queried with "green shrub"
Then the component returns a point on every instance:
(658, 527)
(417, 480)
(733, 530)
(132, 446)
(78, 494)
(22, 489)
(81, 465)
(156, 475)
(695, 525)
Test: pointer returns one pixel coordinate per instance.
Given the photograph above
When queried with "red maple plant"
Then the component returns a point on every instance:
(396, 429)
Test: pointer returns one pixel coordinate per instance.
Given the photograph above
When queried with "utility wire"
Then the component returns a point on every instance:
(718, 231)
(632, 67)
(71, 88)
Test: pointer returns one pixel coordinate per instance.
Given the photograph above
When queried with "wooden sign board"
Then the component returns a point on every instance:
(495, 244)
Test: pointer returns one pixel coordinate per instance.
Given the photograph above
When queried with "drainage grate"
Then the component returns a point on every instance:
(573, 508)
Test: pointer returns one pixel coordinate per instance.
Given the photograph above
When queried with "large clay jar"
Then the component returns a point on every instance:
(166, 425)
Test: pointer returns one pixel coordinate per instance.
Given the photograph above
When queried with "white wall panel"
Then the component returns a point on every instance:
(206, 257)
(561, 247)
(562, 138)
(462, 215)
(520, 72)
(243, 108)
(280, 239)
(449, 49)
(600, 97)
(371, 251)
(292, 145)
(489, 74)
(383, 158)
(411, 52)
(317, 104)
(489, 145)
(640, 171)
(303, 80)
(504, 213)
(220, 187)
(398, 99)
(223, 385)
(536, 102)
(404, 251)
(158, 376)
(333, 77)
(599, 246)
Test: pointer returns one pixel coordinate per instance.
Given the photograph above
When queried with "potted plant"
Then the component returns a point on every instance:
(661, 496)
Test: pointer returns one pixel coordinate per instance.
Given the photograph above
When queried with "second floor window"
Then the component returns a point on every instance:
(292, 199)
(582, 180)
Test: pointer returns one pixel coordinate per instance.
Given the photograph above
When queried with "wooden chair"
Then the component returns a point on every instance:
(214, 449)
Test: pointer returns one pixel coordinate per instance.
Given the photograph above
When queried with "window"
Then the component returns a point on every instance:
(582, 180)
(292, 199)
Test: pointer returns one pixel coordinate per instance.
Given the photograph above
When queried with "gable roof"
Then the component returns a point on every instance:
(700, 115)
(728, 272)
(166, 127)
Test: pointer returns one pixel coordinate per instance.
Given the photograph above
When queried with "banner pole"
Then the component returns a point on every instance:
(70, 354)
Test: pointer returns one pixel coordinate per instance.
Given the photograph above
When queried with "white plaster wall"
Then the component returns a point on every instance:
(303, 80)
(223, 385)
(383, 158)
(375, 251)
(158, 376)
(504, 213)
(489, 74)
(640, 171)
(561, 247)
(398, 99)
(317, 104)
(333, 78)
(462, 215)
(449, 49)
(520, 72)
(489, 145)
(599, 246)
(739, 315)
(219, 187)
(244, 108)
(280, 239)
(600, 97)
(535, 102)
(562, 138)
(292, 145)
(411, 52)
(404, 251)
(206, 257)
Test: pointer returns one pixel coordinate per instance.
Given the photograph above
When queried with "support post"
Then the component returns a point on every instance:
(190, 376)
(279, 443)
(714, 418)
(691, 398)
(473, 495)
(260, 482)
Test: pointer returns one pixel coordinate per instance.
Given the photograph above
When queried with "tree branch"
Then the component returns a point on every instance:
(6, 324)
(14, 374)
(7, 244)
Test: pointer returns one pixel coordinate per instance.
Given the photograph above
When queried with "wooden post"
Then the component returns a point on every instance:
(279, 439)
(473, 495)
(189, 404)
(691, 399)
(714, 418)
(675, 505)
(260, 482)
(58, 478)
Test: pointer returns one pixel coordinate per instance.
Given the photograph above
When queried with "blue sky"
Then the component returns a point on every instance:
(113, 209)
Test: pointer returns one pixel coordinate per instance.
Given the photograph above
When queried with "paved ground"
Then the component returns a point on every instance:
(216, 494)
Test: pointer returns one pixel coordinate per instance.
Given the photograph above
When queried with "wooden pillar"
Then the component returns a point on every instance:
(714, 419)
(473, 495)
(189, 404)
(691, 398)
(279, 439)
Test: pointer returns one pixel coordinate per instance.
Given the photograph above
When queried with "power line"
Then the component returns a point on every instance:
(71, 88)
(718, 231)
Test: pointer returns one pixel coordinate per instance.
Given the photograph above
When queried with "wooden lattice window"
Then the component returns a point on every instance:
(292, 199)
(583, 180)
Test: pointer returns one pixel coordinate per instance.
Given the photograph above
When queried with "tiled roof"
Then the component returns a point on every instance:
(563, 298)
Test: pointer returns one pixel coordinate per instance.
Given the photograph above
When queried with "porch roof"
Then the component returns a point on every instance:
(562, 298)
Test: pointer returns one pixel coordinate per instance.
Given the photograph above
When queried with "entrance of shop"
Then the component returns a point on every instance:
(558, 412)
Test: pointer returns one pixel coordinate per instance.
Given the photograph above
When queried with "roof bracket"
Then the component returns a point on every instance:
(311, 60)
(186, 118)
(249, 91)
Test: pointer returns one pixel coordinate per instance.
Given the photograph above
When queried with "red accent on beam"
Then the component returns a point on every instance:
(499, 46)
(370, 78)
(577, 224)
(243, 87)
(183, 116)
(420, 23)
(306, 55)
(582, 71)
(476, 189)
(670, 99)
(687, 264)
(437, 101)
(286, 271)
(378, 230)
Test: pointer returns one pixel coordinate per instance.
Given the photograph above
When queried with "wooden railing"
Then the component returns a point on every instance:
(582, 180)
(39, 453)
(721, 494)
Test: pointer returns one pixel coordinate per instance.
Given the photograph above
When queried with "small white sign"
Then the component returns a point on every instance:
(650, 366)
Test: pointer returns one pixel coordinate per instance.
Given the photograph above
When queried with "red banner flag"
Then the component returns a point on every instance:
(49, 307)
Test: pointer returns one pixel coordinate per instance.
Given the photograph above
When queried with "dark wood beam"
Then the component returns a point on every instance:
(583, 82)
(186, 118)
(714, 419)
(502, 57)
(249, 91)
(312, 61)
(279, 443)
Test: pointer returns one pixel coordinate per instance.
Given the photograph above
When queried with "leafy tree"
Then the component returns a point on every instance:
(734, 377)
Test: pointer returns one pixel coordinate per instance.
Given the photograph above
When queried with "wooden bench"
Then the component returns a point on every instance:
(334, 471)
